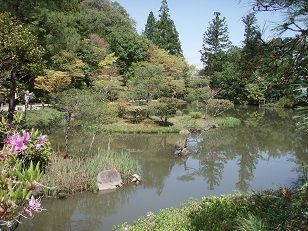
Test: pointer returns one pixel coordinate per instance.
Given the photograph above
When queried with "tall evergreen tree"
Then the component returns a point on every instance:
(150, 30)
(252, 46)
(216, 38)
(168, 37)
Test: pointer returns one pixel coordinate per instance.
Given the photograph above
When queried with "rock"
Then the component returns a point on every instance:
(184, 132)
(62, 195)
(181, 152)
(184, 152)
(208, 127)
(109, 179)
(136, 179)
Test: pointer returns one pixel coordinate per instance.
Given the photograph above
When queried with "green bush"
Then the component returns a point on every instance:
(282, 209)
(284, 102)
(196, 115)
(46, 119)
(217, 107)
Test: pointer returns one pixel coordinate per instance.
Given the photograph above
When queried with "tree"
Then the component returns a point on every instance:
(21, 56)
(168, 37)
(164, 108)
(147, 82)
(52, 81)
(81, 106)
(150, 30)
(252, 49)
(108, 82)
(215, 39)
(128, 46)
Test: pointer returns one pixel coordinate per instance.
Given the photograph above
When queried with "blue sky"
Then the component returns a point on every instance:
(192, 18)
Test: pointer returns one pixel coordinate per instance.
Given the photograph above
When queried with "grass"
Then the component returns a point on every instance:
(228, 122)
(282, 209)
(178, 123)
(74, 175)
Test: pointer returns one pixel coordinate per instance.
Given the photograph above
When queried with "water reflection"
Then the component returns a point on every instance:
(264, 152)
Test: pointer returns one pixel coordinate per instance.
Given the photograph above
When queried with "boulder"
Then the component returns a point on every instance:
(184, 132)
(109, 179)
(136, 178)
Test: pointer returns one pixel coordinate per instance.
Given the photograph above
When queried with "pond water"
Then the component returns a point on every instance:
(265, 151)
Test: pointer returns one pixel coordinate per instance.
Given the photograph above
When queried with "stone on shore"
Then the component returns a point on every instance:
(109, 179)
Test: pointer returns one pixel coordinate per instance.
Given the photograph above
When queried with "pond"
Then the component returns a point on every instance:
(264, 152)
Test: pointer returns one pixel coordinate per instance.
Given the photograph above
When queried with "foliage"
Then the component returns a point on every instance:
(196, 115)
(167, 36)
(136, 113)
(108, 81)
(284, 102)
(217, 107)
(47, 119)
(228, 122)
(164, 108)
(146, 83)
(21, 56)
(79, 174)
(52, 81)
(215, 39)
(282, 209)
(251, 223)
(22, 160)
(150, 30)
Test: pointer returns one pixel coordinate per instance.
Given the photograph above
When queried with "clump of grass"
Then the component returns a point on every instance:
(227, 122)
(196, 115)
(74, 175)
(251, 223)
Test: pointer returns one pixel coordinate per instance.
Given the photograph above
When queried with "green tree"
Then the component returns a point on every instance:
(128, 46)
(215, 39)
(168, 37)
(21, 56)
(147, 82)
(252, 51)
(150, 30)
(164, 108)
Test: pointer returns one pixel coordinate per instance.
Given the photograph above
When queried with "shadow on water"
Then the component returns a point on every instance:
(265, 151)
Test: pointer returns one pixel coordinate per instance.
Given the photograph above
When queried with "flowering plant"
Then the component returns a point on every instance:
(23, 156)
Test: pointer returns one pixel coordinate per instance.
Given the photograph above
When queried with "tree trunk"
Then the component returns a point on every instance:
(12, 102)
(67, 129)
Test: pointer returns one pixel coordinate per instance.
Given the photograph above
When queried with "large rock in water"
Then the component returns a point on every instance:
(109, 179)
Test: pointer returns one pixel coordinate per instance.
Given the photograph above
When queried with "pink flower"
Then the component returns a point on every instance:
(16, 143)
(41, 141)
(25, 136)
(34, 205)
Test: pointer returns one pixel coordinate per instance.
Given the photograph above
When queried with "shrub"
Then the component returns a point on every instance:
(271, 210)
(136, 113)
(164, 108)
(46, 119)
(22, 158)
(196, 115)
(217, 107)
(284, 102)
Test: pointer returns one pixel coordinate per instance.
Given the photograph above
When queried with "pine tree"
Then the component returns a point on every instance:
(168, 37)
(150, 30)
(216, 38)
(252, 46)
